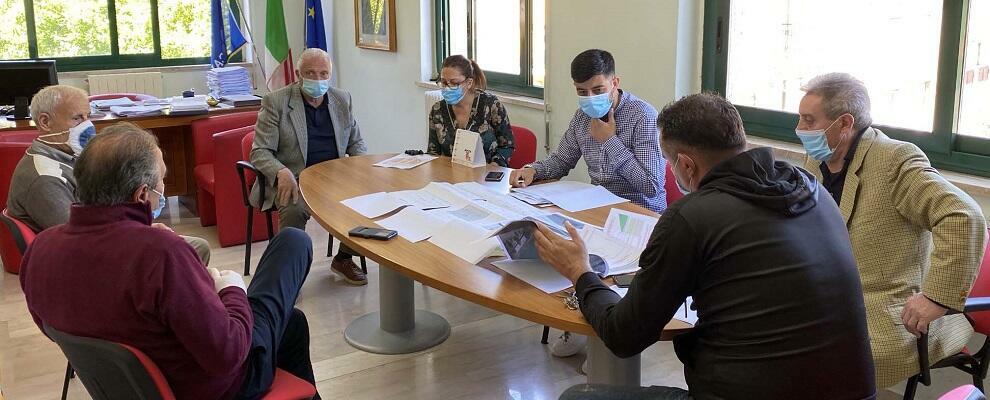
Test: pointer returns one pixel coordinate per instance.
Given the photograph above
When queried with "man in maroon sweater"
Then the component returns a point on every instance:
(108, 274)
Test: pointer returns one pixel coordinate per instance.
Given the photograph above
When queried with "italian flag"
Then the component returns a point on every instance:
(278, 55)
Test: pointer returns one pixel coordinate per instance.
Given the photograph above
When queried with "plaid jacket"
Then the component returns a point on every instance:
(911, 231)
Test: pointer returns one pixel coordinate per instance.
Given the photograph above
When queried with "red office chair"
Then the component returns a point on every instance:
(203, 148)
(111, 370)
(247, 173)
(525, 152)
(15, 237)
(231, 229)
(974, 364)
(670, 186)
(965, 392)
(132, 96)
(12, 148)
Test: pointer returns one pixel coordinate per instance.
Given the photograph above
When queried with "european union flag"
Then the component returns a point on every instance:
(316, 34)
(227, 36)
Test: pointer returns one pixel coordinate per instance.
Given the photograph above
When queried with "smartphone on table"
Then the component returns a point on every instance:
(372, 233)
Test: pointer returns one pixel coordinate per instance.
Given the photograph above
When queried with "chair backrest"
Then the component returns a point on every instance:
(132, 96)
(670, 186)
(981, 288)
(525, 152)
(111, 370)
(15, 237)
(203, 130)
(12, 148)
(965, 392)
(246, 143)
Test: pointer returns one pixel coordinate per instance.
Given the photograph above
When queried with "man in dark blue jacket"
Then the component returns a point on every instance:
(761, 247)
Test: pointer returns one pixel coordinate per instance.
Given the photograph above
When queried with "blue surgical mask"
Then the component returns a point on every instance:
(161, 205)
(595, 106)
(816, 143)
(79, 136)
(315, 87)
(452, 95)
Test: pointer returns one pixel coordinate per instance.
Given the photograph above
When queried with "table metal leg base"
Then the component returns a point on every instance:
(605, 367)
(365, 333)
(398, 328)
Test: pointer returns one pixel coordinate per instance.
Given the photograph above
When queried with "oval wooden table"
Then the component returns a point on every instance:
(398, 328)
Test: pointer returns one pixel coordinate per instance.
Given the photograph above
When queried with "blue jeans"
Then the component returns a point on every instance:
(280, 335)
(612, 392)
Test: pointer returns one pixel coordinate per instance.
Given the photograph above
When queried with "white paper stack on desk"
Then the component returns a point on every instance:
(106, 104)
(228, 81)
(189, 105)
(137, 111)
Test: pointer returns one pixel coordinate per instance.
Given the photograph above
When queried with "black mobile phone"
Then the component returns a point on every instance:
(494, 176)
(372, 233)
(623, 281)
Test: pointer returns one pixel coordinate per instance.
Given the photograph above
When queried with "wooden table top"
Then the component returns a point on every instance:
(325, 185)
(149, 122)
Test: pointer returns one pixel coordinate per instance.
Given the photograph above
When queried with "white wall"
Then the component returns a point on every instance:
(642, 35)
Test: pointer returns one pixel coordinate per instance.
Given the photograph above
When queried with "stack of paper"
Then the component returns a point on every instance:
(572, 196)
(228, 81)
(189, 105)
(137, 111)
(105, 105)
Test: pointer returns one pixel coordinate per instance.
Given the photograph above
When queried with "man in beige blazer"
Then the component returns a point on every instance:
(300, 125)
(918, 240)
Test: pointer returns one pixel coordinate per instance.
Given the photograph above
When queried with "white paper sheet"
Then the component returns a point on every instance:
(573, 196)
(629, 227)
(419, 199)
(620, 257)
(466, 240)
(586, 199)
(412, 224)
(373, 205)
(405, 161)
(684, 313)
(536, 273)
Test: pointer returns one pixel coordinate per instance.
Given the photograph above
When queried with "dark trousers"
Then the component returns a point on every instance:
(280, 336)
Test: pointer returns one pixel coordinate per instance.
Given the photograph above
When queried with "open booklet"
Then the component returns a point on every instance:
(607, 255)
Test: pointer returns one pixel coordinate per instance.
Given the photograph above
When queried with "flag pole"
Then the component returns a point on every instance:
(254, 48)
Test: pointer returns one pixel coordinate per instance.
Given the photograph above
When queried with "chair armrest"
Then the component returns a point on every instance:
(245, 190)
(974, 304)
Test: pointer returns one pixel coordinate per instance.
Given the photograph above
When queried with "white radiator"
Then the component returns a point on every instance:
(142, 82)
(431, 97)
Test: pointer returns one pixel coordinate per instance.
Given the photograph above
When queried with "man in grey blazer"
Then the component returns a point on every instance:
(300, 125)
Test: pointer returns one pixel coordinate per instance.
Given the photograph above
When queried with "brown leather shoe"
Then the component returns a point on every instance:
(348, 270)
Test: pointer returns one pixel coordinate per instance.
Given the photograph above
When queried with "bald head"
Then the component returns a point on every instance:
(58, 108)
(314, 64)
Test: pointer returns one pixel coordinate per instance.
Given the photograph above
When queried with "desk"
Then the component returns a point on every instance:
(174, 138)
(397, 328)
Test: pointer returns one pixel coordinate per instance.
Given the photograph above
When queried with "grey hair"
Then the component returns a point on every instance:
(48, 99)
(313, 52)
(842, 93)
(115, 164)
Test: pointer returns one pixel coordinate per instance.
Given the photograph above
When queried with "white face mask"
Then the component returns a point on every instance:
(79, 136)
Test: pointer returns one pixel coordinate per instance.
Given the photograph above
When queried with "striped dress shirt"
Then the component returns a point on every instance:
(628, 164)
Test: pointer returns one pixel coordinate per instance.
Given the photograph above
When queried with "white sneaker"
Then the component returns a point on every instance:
(567, 345)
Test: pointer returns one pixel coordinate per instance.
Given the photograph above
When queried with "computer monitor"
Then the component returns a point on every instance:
(23, 80)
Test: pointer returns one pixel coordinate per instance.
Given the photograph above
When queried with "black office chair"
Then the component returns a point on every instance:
(242, 167)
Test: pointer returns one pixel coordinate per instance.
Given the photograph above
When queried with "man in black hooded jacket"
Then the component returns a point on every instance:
(762, 249)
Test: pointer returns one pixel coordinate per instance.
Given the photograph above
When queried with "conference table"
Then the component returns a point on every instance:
(398, 327)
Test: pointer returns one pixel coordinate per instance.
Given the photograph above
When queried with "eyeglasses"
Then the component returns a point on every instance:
(450, 85)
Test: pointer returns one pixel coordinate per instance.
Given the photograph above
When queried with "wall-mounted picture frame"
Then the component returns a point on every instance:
(374, 24)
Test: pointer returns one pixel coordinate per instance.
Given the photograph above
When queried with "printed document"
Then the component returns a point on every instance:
(405, 161)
